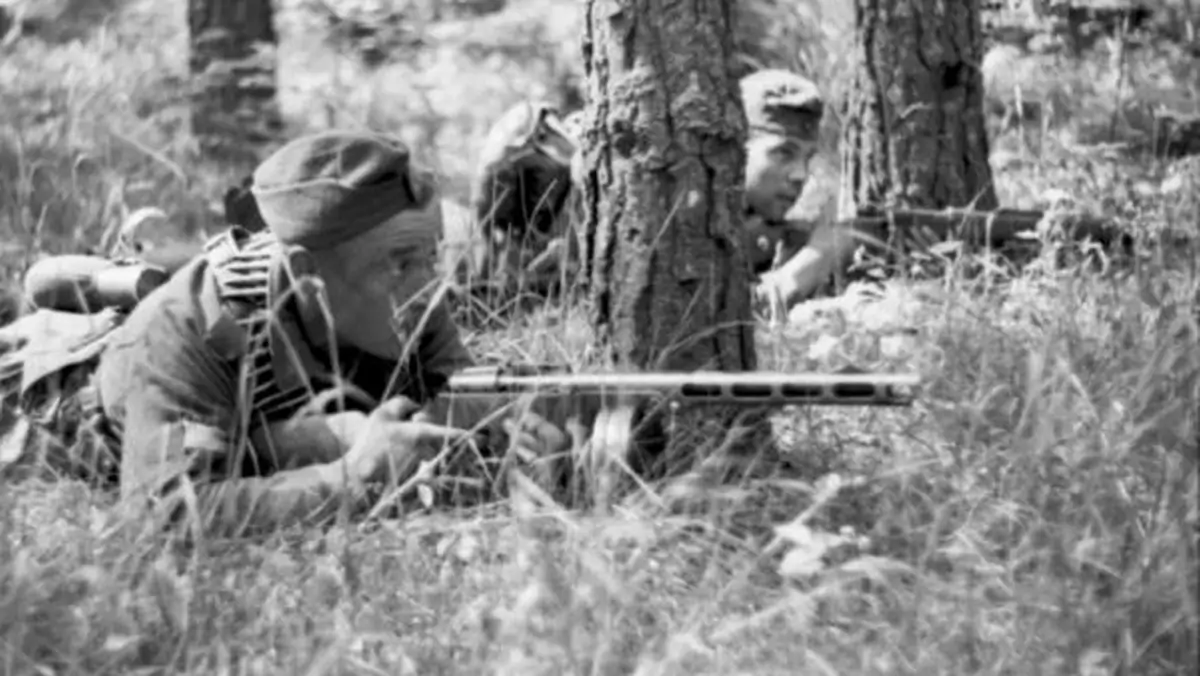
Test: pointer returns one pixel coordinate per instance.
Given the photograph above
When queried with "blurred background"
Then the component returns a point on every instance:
(1085, 97)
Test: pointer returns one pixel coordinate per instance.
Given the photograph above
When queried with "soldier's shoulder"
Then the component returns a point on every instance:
(170, 308)
(235, 265)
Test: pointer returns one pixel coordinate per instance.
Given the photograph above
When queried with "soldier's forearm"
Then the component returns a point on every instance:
(307, 496)
(828, 251)
(488, 410)
(309, 440)
(838, 241)
(805, 273)
(834, 245)
(466, 412)
(310, 488)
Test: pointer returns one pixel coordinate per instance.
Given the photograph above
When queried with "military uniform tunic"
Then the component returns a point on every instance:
(225, 348)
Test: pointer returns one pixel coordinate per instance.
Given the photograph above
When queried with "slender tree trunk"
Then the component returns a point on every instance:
(233, 65)
(664, 170)
(914, 131)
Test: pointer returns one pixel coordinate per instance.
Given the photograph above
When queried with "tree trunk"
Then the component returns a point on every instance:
(233, 65)
(664, 170)
(914, 131)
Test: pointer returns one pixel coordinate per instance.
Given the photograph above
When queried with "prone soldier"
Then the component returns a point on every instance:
(212, 376)
(515, 235)
(793, 259)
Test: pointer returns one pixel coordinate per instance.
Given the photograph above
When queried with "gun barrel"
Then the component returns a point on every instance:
(755, 388)
(996, 226)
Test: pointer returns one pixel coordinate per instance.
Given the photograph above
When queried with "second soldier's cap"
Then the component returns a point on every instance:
(782, 102)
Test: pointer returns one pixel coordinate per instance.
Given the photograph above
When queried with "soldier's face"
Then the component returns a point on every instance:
(776, 170)
(380, 288)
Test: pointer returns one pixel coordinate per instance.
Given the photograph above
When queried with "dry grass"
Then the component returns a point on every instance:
(1035, 513)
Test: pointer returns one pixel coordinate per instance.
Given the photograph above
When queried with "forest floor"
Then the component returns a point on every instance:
(1035, 512)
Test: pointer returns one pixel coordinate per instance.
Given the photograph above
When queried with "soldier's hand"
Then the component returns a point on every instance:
(531, 436)
(775, 292)
(533, 444)
(394, 440)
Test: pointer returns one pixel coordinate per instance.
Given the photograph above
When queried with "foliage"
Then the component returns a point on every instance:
(1036, 512)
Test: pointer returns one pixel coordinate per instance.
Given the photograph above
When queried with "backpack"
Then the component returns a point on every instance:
(50, 417)
(49, 414)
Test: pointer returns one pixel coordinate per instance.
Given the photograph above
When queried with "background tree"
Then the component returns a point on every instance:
(662, 183)
(233, 65)
(914, 131)
(662, 193)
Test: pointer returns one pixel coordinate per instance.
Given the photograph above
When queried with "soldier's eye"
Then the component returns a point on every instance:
(397, 266)
(408, 259)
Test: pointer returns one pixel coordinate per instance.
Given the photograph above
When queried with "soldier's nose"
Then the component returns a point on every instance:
(797, 177)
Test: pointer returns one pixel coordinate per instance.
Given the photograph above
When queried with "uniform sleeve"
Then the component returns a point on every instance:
(827, 251)
(442, 354)
(838, 241)
(180, 422)
(765, 242)
(442, 351)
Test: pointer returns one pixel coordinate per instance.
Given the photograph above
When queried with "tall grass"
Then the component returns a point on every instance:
(1036, 512)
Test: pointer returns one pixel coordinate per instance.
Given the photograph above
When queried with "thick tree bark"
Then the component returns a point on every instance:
(662, 186)
(233, 65)
(914, 134)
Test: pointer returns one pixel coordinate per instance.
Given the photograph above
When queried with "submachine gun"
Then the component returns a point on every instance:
(611, 404)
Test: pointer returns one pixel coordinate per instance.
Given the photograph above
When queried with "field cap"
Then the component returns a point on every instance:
(782, 102)
(324, 189)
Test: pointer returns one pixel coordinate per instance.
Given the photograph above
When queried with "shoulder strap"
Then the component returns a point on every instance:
(242, 265)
